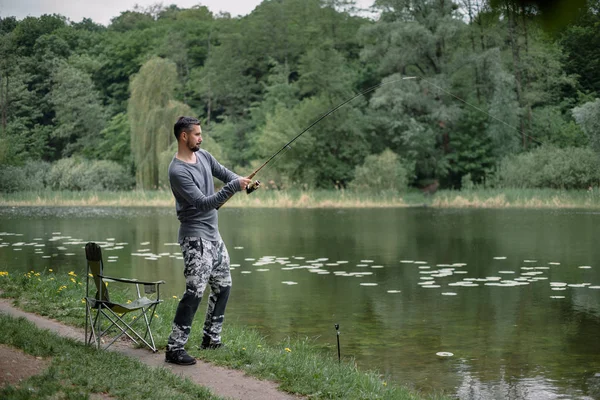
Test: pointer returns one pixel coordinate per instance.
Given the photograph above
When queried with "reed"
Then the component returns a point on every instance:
(478, 198)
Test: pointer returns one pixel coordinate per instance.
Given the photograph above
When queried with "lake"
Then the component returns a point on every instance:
(514, 295)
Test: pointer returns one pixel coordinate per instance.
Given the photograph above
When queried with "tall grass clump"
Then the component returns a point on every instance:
(551, 167)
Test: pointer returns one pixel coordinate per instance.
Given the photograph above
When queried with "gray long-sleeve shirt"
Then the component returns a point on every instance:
(195, 197)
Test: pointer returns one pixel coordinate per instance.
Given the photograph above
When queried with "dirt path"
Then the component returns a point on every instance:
(221, 381)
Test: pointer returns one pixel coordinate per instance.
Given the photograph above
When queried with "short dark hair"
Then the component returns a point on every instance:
(184, 124)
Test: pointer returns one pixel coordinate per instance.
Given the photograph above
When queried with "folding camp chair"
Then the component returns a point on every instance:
(102, 314)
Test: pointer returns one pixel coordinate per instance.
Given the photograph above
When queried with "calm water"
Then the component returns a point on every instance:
(535, 340)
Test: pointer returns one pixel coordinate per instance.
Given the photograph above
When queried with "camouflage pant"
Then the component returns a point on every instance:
(205, 262)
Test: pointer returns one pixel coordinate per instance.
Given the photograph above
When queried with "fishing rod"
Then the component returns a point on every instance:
(254, 185)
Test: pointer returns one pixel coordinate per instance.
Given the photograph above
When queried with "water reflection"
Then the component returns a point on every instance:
(522, 323)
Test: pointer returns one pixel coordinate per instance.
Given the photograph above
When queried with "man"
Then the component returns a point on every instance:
(205, 256)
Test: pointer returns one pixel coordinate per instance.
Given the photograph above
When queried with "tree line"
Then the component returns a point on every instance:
(506, 93)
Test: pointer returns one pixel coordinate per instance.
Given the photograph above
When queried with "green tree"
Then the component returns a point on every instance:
(27, 32)
(381, 172)
(415, 118)
(222, 83)
(152, 113)
(79, 114)
(114, 142)
(121, 55)
(581, 42)
(472, 150)
(588, 118)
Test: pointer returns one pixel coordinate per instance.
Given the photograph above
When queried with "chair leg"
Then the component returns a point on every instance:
(87, 316)
(122, 330)
(152, 310)
(96, 332)
(143, 311)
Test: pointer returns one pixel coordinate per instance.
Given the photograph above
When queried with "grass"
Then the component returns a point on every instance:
(297, 364)
(77, 371)
(477, 198)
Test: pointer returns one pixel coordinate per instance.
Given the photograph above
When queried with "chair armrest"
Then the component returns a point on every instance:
(125, 280)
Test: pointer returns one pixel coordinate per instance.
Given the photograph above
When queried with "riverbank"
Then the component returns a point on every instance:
(296, 364)
(479, 198)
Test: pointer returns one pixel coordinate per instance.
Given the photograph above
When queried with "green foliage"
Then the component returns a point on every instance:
(381, 172)
(121, 56)
(27, 32)
(472, 151)
(79, 115)
(550, 125)
(80, 174)
(29, 177)
(222, 82)
(407, 122)
(114, 142)
(581, 43)
(551, 167)
(504, 128)
(588, 118)
(69, 88)
(152, 113)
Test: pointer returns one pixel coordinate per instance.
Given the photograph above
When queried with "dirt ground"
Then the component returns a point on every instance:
(16, 366)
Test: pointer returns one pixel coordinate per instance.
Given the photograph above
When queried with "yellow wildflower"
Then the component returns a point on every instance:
(73, 280)
(288, 349)
(72, 273)
(37, 274)
(50, 270)
(3, 273)
(243, 348)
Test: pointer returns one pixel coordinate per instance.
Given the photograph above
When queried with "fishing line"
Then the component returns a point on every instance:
(480, 110)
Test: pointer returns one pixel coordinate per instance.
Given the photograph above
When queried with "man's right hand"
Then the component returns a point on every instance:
(244, 182)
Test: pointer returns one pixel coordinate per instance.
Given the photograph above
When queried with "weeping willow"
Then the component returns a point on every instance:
(152, 113)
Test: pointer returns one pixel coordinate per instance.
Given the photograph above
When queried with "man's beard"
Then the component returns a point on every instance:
(194, 148)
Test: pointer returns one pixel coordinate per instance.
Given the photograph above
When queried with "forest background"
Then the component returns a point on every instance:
(507, 95)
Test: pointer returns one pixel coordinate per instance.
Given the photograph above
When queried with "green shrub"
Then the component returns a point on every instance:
(381, 172)
(551, 167)
(31, 176)
(80, 174)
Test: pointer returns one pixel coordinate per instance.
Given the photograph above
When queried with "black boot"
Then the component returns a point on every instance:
(208, 343)
(179, 357)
